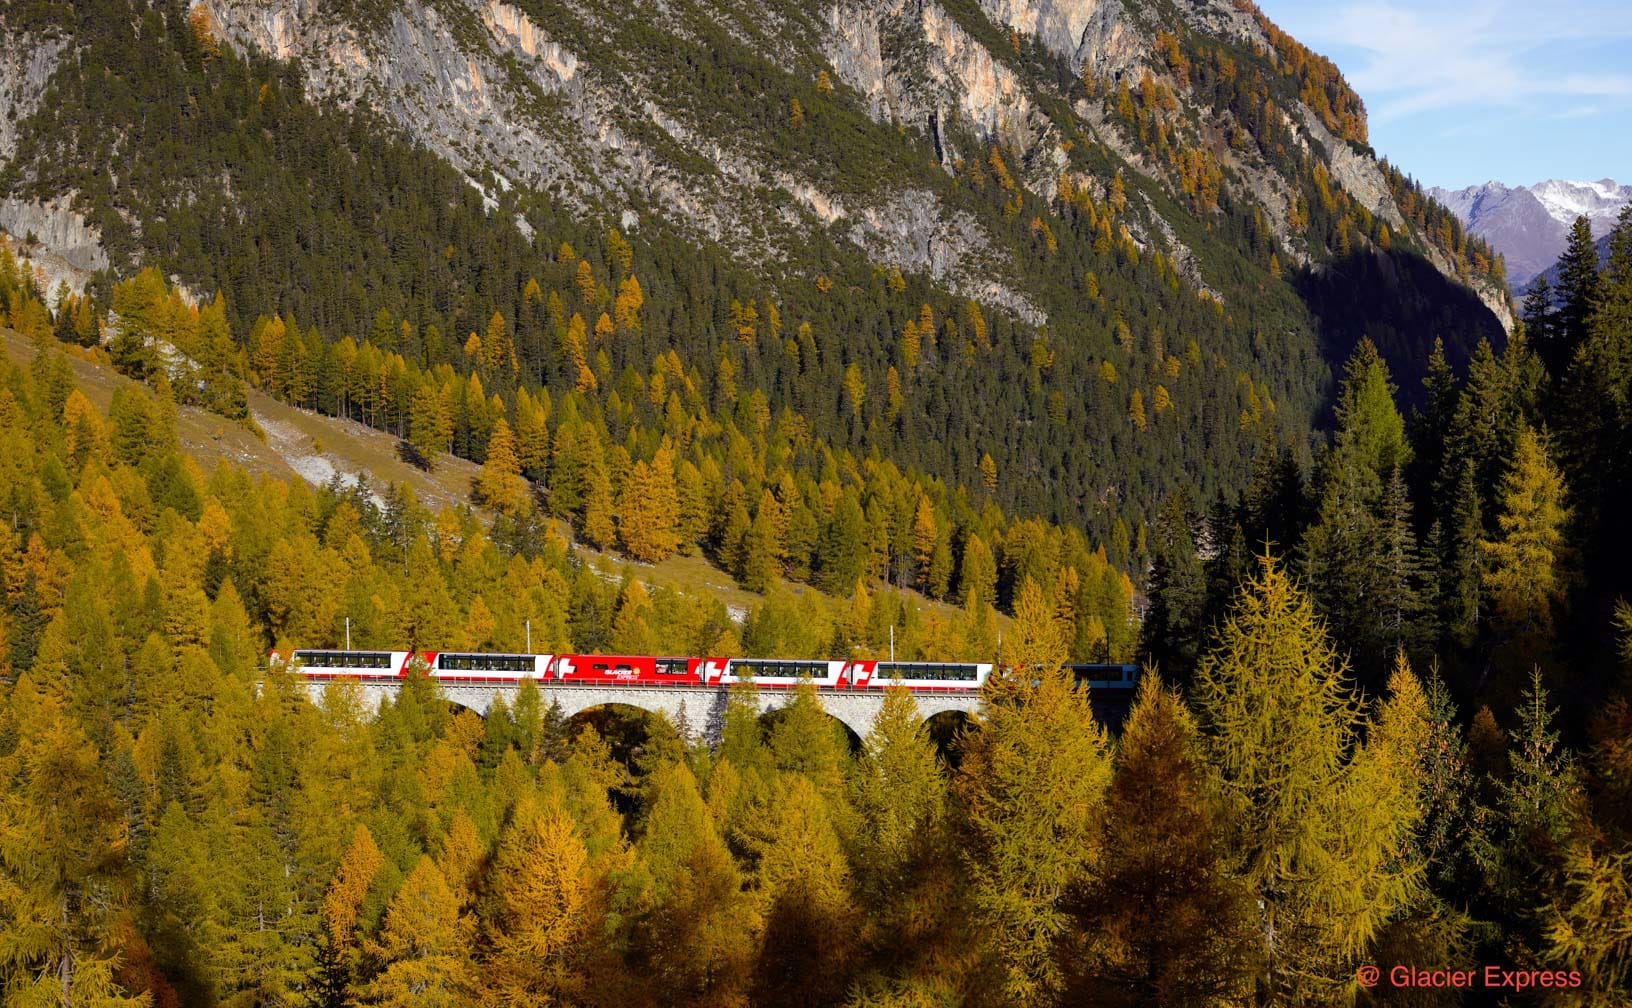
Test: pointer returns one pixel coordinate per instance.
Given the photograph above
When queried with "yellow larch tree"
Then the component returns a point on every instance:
(1030, 793)
(422, 945)
(648, 509)
(539, 910)
(500, 485)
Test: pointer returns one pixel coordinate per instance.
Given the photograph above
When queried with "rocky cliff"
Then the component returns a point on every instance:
(756, 126)
(556, 97)
(27, 61)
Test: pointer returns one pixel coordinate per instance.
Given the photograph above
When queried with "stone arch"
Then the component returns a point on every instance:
(478, 698)
(770, 715)
(695, 711)
(945, 726)
(625, 728)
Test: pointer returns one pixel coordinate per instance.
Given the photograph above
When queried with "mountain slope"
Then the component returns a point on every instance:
(1529, 225)
(1140, 230)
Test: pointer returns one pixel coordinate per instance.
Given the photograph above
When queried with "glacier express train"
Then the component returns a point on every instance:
(636, 670)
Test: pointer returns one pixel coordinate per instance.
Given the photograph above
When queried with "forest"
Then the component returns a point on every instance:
(320, 226)
(1362, 542)
(1392, 730)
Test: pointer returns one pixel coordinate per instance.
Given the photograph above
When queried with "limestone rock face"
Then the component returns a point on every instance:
(26, 63)
(562, 104)
(57, 228)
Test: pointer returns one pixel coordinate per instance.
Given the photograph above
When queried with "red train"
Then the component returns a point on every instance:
(646, 670)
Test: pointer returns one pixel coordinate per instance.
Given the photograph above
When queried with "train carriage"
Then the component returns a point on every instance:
(781, 672)
(328, 664)
(628, 669)
(1105, 677)
(917, 675)
(1111, 690)
(470, 666)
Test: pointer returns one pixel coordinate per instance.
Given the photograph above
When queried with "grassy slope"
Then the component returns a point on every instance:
(302, 444)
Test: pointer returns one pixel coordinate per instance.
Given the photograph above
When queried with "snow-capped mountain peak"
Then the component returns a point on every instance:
(1600, 201)
(1529, 225)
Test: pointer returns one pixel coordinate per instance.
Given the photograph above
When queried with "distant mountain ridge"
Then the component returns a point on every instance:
(1529, 224)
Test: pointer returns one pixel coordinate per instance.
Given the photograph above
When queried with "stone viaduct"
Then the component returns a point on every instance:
(701, 708)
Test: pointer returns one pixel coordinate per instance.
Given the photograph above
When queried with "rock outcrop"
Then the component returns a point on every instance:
(27, 61)
(558, 109)
(57, 228)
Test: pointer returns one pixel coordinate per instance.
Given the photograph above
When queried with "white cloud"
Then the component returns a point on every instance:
(1488, 53)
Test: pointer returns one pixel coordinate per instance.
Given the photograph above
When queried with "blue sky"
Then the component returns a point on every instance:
(1459, 93)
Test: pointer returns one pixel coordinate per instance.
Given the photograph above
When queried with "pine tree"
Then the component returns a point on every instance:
(649, 509)
(805, 884)
(1595, 423)
(695, 939)
(805, 740)
(740, 736)
(1367, 418)
(1430, 430)
(1363, 515)
(340, 951)
(461, 860)
(1281, 721)
(1386, 807)
(924, 539)
(899, 796)
(1578, 289)
(1537, 807)
(632, 626)
(539, 910)
(1040, 644)
(430, 429)
(844, 546)
(598, 510)
(1591, 931)
(1540, 321)
(988, 473)
(1402, 609)
(1274, 500)
(63, 840)
(978, 572)
(1172, 628)
(1030, 793)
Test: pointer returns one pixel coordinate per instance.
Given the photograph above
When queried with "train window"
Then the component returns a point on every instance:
(515, 664)
(344, 660)
(1120, 675)
(600, 667)
(672, 666)
(778, 669)
(933, 671)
